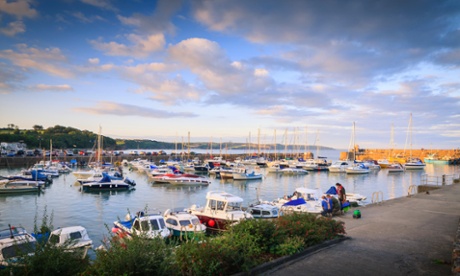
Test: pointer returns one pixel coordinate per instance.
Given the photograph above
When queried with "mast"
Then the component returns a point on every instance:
(188, 147)
(258, 142)
(285, 144)
(275, 144)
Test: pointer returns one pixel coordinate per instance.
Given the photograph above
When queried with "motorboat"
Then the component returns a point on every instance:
(433, 159)
(384, 163)
(395, 167)
(414, 164)
(106, 183)
(303, 200)
(20, 186)
(98, 176)
(73, 238)
(275, 167)
(294, 171)
(357, 168)
(264, 210)
(339, 166)
(190, 180)
(351, 197)
(221, 211)
(183, 224)
(15, 243)
(142, 224)
(243, 174)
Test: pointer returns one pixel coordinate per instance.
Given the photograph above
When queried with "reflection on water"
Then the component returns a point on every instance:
(96, 210)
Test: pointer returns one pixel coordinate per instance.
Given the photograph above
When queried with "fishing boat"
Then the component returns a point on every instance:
(15, 243)
(264, 210)
(243, 174)
(433, 159)
(183, 224)
(221, 211)
(73, 238)
(146, 225)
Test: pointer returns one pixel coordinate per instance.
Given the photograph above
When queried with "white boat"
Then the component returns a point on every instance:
(294, 171)
(433, 159)
(189, 180)
(15, 242)
(221, 211)
(243, 174)
(275, 167)
(395, 167)
(73, 238)
(339, 166)
(264, 210)
(182, 224)
(303, 200)
(146, 225)
(414, 164)
(358, 168)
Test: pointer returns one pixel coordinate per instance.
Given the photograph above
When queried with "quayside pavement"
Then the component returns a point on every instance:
(404, 236)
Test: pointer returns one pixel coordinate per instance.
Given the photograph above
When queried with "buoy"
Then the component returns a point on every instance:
(211, 223)
(357, 214)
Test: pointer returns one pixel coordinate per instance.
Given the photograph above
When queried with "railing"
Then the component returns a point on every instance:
(377, 197)
(438, 180)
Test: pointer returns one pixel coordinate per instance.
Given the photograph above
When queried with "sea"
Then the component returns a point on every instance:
(67, 205)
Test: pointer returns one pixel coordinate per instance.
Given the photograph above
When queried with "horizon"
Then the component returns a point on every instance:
(236, 70)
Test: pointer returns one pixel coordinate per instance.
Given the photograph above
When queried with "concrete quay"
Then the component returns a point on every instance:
(413, 235)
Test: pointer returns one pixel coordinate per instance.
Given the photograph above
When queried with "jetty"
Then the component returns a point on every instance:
(414, 235)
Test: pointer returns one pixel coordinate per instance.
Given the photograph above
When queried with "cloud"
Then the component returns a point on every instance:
(48, 60)
(56, 88)
(103, 4)
(13, 28)
(141, 46)
(111, 108)
(19, 8)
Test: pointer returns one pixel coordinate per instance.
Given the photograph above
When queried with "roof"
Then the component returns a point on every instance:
(223, 196)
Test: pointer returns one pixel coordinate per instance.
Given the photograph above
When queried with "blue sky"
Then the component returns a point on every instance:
(230, 70)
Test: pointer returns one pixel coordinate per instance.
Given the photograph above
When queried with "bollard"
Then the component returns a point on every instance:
(443, 179)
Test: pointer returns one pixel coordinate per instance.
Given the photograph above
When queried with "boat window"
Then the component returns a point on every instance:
(137, 225)
(145, 225)
(195, 221)
(213, 204)
(162, 223)
(232, 206)
(75, 236)
(154, 224)
(54, 239)
(265, 213)
(18, 249)
(275, 212)
(255, 212)
(171, 221)
(185, 222)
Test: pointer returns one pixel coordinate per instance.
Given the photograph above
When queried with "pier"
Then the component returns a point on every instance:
(414, 235)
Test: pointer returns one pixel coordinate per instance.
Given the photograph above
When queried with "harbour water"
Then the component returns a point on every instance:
(97, 211)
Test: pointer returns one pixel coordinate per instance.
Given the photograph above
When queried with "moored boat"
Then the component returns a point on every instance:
(20, 186)
(149, 225)
(183, 224)
(395, 167)
(15, 243)
(221, 211)
(106, 183)
(73, 238)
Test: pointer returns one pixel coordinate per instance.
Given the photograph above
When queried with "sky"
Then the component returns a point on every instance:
(290, 72)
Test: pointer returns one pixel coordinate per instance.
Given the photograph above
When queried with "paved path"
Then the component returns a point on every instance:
(404, 236)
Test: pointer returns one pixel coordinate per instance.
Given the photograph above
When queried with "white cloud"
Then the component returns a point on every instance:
(93, 61)
(103, 4)
(13, 28)
(19, 8)
(48, 87)
(260, 72)
(141, 46)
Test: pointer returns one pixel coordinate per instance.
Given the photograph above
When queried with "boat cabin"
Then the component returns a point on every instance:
(15, 242)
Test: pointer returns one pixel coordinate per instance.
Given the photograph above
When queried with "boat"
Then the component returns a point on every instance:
(275, 167)
(351, 197)
(98, 176)
(20, 186)
(183, 224)
(395, 167)
(106, 183)
(294, 171)
(339, 166)
(73, 238)
(357, 168)
(264, 210)
(384, 163)
(412, 163)
(142, 224)
(433, 159)
(243, 174)
(15, 242)
(188, 179)
(302, 200)
(221, 211)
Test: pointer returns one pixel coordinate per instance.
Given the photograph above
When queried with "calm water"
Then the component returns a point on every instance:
(70, 206)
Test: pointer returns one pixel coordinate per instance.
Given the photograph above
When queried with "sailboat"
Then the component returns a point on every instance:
(357, 167)
(412, 163)
(85, 174)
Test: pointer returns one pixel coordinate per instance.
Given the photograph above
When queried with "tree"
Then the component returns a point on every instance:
(37, 127)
